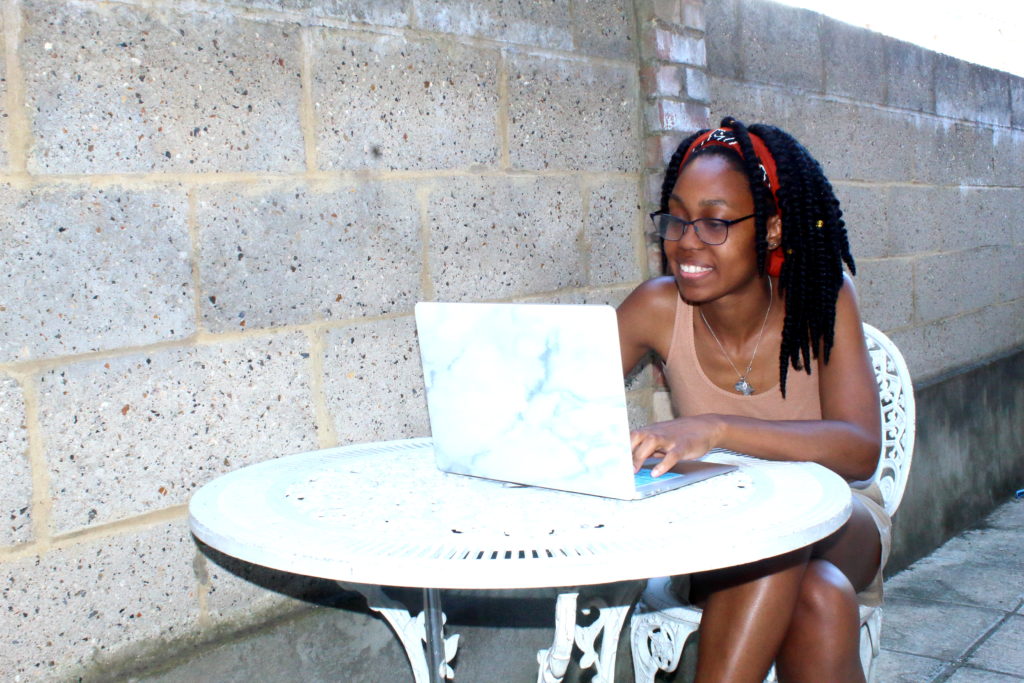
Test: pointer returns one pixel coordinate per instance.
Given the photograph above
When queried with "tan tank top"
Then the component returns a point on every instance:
(693, 393)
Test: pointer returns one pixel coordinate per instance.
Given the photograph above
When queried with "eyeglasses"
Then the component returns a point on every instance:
(710, 231)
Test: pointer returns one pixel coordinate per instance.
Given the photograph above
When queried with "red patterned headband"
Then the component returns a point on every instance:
(725, 137)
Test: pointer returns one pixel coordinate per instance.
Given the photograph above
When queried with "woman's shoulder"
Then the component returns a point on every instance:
(656, 293)
(647, 316)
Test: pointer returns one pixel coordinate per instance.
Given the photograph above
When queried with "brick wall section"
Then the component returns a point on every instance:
(926, 154)
(674, 83)
(215, 218)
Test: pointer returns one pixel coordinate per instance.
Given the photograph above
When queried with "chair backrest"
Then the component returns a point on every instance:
(896, 395)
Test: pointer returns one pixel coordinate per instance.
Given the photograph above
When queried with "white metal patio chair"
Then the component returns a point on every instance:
(661, 625)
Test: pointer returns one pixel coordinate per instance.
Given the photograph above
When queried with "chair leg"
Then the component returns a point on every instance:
(658, 642)
(870, 642)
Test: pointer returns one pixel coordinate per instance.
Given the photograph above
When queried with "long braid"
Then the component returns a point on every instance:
(815, 246)
(814, 238)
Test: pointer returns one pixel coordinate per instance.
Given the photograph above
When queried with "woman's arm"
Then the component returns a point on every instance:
(847, 439)
(645, 321)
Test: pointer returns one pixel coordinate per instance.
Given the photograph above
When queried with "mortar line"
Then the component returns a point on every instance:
(147, 180)
(426, 281)
(42, 504)
(792, 90)
(195, 255)
(956, 663)
(582, 236)
(504, 156)
(19, 129)
(413, 30)
(99, 532)
(326, 435)
(307, 107)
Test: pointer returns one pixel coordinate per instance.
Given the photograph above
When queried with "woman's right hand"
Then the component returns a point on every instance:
(684, 438)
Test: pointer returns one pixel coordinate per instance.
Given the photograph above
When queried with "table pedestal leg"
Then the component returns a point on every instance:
(427, 628)
(610, 610)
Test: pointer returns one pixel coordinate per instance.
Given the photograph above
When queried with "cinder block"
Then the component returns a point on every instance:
(925, 218)
(92, 269)
(15, 473)
(668, 11)
(752, 103)
(373, 382)
(854, 62)
(954, 283)
(693, 14)
(547, 24)
(945, 345)
(885, 290)
(275, 255)
(376, 13)
(612, 234)
(781, 45)
(1008, 156)
(140, 433)
(990, 215)
(73, 608)
(724, 42)
(243, 594)
(387, 102)
(800, 116)
(966, 147)
(116, 89)
(884, 142)
(480, 250)
(572, 115)
(972, 92)
(1017, 102)
(604, 28)
(867, 225)
(910, 76)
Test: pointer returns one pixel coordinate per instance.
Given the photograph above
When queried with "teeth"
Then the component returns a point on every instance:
(693, 269)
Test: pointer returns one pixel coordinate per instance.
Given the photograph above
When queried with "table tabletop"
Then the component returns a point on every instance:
(382, 513)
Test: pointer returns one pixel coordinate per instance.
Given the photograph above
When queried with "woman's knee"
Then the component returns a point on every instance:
(825, 593)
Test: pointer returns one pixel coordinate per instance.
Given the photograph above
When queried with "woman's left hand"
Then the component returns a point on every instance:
(684, 438)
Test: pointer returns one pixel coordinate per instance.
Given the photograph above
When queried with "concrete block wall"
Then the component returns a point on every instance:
(926, 153)
(216, 218)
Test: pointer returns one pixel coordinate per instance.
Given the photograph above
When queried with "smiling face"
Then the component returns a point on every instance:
(711, 186)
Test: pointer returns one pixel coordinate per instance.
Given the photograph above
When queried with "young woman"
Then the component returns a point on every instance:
(754, 243)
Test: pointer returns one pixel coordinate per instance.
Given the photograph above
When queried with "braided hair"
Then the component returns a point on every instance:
(814, 239)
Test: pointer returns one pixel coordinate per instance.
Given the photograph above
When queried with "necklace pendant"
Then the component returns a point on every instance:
(743, 386)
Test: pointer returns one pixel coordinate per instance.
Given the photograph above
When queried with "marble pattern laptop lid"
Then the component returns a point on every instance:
(528, 393)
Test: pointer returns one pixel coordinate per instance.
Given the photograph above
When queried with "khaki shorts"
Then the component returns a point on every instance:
(871, 497)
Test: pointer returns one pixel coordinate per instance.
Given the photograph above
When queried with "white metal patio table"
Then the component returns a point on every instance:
(381, 514)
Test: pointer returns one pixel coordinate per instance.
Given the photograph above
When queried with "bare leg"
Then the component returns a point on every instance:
(746, 617)
(751, 611)
(823, 639)
(822, 643)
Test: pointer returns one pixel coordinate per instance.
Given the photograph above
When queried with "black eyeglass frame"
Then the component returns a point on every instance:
(726, 224)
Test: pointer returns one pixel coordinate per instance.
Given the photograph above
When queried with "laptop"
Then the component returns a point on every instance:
(533, 394)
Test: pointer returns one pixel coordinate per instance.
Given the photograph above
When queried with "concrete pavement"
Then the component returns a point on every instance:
(957, 615)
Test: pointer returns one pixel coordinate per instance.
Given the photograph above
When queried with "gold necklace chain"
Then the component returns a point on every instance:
(742, 385)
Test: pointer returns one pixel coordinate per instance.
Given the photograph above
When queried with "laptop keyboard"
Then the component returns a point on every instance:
(644, 477)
